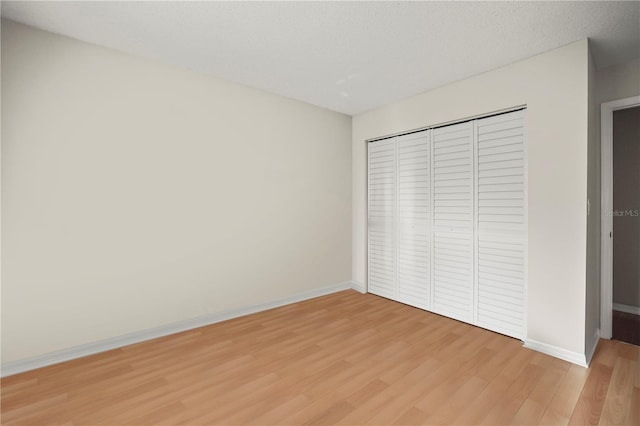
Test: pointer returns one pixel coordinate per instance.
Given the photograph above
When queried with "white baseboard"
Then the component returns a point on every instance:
(626, 308)
(592, 345)
(44, 360)
(358, 287)
(573, 357)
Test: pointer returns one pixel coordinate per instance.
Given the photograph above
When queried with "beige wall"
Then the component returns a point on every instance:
(554, 86)
(592, 318)
(626, 197)
(618, 81)
(137, 194)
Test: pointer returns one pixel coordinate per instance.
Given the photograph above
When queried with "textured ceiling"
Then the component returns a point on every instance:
(345, 56)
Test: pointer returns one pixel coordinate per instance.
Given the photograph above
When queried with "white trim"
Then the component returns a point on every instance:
(626, 308)
(606, 201)
(554, 351)
(359, 287)
(592, 346)
(19, 366)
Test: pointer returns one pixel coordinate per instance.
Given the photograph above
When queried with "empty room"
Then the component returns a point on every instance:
(287, 213)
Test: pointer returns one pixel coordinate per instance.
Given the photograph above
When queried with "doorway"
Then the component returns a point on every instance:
(620, 311)
(626, 225)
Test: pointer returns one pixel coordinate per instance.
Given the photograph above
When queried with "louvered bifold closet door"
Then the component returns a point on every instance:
(413, 219)
(382, 218)
(502, 229)
(453, 221)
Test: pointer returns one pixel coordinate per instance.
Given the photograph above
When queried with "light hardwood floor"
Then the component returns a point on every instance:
(343, 359)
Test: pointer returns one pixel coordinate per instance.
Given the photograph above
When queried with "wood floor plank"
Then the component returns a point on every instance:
(275, 413)
(616, 407)
(332, 414)
(589, 405)
(453, 377)
(28, 410)
(563, 402)
(634, 411)
(452, 406)
(533, 408)
(310, 412)
(505, 373)
(413, 416)
(606, 352)
(515, 396)
(407, 388)
(344, 358)
(394, 399)
(636, 381)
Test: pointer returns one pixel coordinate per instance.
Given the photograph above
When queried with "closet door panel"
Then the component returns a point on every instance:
(501, 223)
(381, 218)
(453, 221)
(413, 219)
(447, 221)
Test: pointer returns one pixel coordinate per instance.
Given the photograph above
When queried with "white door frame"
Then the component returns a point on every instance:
(606, 216)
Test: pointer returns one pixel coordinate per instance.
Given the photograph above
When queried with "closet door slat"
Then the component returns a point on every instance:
(501, 226)
(382, 217)
(414, 219)
(453, 221)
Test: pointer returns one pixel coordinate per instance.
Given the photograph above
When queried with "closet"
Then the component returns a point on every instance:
(447, 221)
